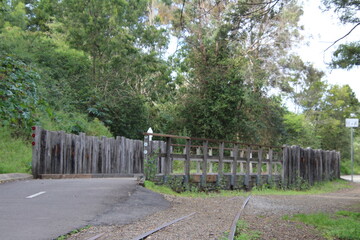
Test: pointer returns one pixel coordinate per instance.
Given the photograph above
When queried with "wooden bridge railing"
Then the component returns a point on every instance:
(242, 163)
(209, 159)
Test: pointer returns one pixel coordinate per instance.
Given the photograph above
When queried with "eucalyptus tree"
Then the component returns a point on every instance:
(346, 55)
(231, 53)
(337, 105)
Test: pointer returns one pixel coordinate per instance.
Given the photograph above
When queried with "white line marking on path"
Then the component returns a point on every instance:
(35, 195)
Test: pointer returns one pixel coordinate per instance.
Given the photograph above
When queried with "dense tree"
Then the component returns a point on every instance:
(125, 48)
(107, 59)
(338, 104)
(300, 131)
(231, 54)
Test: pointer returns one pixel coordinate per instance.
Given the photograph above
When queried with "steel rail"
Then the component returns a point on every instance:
(236, 219)
(145, 235)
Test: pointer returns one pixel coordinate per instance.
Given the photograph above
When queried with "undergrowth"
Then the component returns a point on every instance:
(318, 188)
(341, 225)
(15, 153)
(66, 236)
(244, 233)
(16, 149)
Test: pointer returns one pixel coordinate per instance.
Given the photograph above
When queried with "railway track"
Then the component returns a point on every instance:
(183, 218)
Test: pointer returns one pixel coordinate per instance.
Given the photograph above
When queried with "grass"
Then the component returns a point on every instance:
(66, 236)
(244, 233)
(167, 190)
(341, 225)
(15, 153)
(316, 189)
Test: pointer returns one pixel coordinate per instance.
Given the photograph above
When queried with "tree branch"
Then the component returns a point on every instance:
(342, 37)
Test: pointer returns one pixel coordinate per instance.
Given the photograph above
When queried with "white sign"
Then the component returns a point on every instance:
(352, 122)
(150, 131)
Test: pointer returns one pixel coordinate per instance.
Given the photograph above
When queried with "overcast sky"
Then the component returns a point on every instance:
(321, 30)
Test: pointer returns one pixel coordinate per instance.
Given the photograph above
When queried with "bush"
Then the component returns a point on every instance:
(18, 95)
(345, 167)
(15, 153)
(74, 123)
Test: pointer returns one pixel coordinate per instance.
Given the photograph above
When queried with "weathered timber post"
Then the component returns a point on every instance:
(338, 157)
(251, 166)
(187, 161)
(62, 151)
(167, 169)
(259, 165)
(285, 166)
(247, 175)
(333, 165)
(317, 166)
(311, 164)
(198, 152)
(298, 152)
(95, 153)
(221, 163)
(204, 165)
(36, 150)
(270, 177)
(48, 152)
(327, 165)
(81, 160)
(234, 165)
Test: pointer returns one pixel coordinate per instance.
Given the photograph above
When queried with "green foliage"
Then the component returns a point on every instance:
(18, 93)
(191, 191)
(301, 188)
(338, 104)
(345, 167)
(150, 168)
(103, 62)
(15, 153)
(74, 123)
(347, 55)
(124, 113)
(299, 131)
(244, 233)
(68, 235)
(342, 225)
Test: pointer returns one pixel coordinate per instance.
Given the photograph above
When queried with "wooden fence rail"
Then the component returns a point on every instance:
(240, 164)
(61, 153)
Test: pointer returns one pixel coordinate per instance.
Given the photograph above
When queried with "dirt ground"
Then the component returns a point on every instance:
(213, 217)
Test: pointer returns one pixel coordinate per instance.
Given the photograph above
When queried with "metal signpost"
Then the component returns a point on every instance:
(351, 123)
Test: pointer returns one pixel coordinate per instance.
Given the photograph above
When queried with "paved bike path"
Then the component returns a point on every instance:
(46, 209)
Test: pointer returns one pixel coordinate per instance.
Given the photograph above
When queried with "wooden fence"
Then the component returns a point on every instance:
(61, 153)
(195, 159)
(238, 164)
(309, 164)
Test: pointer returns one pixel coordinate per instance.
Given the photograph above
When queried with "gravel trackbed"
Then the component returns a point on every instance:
(214, 216)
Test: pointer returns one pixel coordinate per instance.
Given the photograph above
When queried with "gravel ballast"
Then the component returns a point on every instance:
(214, 216)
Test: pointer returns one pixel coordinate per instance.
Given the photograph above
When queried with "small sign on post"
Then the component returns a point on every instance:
(352, 123)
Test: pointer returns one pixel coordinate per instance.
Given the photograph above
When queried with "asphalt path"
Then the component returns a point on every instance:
(46, 209)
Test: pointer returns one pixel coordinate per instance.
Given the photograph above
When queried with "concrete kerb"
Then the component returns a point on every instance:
(348, 178)
(14, 177)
